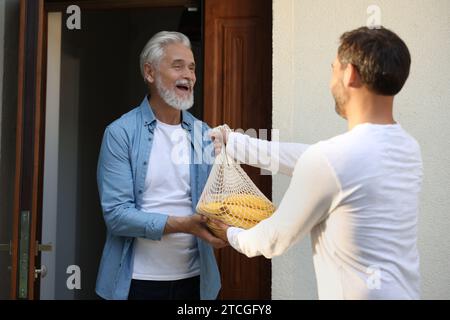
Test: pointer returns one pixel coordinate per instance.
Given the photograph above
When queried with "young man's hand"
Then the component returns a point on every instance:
(223, 227)
(219, 136)
(195, 225)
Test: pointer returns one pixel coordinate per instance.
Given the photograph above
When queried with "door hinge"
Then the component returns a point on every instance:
(43, 247)
(6, 247)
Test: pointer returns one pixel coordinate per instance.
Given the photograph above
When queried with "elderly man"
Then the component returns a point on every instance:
(357, 193)
(150, 179)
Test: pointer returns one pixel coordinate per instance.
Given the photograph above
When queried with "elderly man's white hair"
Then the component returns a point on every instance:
(154, 49)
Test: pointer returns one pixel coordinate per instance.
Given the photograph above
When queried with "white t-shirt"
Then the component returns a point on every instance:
(358, 196)
(167, 190)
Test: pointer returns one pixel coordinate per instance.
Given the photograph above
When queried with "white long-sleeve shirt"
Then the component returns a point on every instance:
(357, 194)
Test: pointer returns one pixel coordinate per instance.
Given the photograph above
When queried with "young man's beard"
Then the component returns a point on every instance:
(338, 108)
(340, 100)
(171, 98)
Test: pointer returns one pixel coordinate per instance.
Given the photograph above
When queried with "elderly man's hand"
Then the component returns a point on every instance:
(196, 225)
(219, 136)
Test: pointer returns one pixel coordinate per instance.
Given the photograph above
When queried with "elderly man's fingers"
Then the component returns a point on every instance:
(218, 243)
(206, 235)
(219, 223)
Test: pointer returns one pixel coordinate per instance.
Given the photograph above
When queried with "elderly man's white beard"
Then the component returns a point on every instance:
(171, 98)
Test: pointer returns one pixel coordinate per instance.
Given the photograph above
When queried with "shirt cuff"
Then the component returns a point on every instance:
(154, 228)
(230, 147)
(232, 235)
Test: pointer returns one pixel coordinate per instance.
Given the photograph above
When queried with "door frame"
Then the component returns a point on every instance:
(28, 177)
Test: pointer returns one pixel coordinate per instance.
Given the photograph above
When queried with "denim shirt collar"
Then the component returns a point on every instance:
(187, 121)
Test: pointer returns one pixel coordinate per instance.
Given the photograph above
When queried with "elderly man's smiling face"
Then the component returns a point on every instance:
(175, 76)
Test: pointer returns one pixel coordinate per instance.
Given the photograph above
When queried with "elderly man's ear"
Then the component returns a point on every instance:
(149, 73)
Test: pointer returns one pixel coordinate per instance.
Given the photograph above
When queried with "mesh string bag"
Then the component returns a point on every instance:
(231, 196)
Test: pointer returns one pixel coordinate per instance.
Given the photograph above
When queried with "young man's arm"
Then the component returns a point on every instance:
(277, 157)
(313, 192)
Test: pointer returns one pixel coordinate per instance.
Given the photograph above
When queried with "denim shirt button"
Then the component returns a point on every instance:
(140, 191)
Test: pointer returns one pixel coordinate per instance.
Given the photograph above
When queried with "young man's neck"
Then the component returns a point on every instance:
(369, 109)
(163, 112)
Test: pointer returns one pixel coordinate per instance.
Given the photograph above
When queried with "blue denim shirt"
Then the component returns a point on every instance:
(121, 172)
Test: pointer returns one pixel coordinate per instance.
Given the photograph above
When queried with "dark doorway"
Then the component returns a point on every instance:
(99, 81)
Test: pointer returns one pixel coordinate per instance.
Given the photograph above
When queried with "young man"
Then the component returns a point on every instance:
(357, 193)
(150, 178)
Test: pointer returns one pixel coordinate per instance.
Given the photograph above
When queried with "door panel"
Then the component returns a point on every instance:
(238, 73)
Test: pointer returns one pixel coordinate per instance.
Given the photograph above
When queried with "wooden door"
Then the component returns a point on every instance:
(238, 91)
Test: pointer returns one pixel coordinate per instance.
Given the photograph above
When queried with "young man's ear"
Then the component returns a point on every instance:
(149, 73)
(351, 77)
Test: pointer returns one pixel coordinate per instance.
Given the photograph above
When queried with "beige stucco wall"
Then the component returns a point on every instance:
(305, 39)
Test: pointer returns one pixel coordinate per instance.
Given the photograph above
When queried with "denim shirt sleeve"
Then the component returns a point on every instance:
(116, 190)
(209, 149)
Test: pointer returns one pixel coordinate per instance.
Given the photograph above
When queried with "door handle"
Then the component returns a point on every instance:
(40, 272)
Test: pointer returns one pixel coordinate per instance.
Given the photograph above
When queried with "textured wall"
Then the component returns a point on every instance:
(305, 36)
